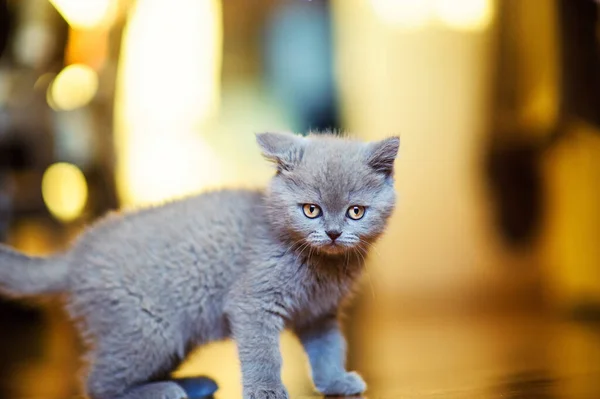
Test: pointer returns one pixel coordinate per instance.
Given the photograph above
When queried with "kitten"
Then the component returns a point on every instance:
(147, 287)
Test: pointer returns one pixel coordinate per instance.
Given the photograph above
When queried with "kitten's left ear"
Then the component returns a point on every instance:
(381, 154)
(284, 149)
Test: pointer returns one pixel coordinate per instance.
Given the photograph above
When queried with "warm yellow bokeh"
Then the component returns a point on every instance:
(463, 15)
(432, 89)
(74, 87)
(65, 191)
(468, 15)
(402, 13)
(86, 14)
(164, 99)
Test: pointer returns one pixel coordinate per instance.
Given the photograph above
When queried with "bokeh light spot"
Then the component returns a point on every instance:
(85, 14)
(408, 14)
(74, 87)
(467, 15)
(64, 190)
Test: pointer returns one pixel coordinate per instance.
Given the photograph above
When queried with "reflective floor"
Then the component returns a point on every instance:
(438, 356)
(480, 356)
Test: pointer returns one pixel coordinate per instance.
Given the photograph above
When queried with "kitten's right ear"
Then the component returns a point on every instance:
(383, 153)
(284, 149)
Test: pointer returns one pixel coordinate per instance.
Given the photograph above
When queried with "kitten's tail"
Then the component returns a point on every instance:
(22, 275)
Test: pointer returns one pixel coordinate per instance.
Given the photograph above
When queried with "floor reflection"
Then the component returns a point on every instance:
(478, 356)
(488, 357)
(528, 385)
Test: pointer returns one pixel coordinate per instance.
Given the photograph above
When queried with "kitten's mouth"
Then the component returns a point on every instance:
(333, 248)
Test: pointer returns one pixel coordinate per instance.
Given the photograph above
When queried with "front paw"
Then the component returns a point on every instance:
(277, 392)
(346, 384)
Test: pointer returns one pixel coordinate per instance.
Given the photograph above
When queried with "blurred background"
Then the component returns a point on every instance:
(488, 281)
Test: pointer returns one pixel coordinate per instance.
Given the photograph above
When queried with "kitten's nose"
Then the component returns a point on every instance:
(333, 234)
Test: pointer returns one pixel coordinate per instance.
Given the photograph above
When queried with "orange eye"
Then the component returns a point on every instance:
(356, 212)
(311, 211)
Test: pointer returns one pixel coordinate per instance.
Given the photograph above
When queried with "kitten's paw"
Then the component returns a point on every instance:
(278, 392)
(346, 384)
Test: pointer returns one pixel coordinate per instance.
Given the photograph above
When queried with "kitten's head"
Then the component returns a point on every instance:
(330, 194)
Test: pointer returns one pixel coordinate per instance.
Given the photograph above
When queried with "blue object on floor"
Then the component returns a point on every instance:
(197, 387)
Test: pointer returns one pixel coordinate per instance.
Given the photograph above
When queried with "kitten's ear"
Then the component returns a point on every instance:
(284, 149)
(382, 154)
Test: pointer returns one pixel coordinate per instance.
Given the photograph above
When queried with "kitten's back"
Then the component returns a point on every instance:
(208, 220)
(170, 260)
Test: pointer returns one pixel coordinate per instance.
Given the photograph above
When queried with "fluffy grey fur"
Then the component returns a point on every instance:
(147, 287)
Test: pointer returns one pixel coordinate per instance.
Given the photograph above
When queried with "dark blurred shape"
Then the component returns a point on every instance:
(517, 189)
(585, 312)
(517, 146)
(20, 341)
(104, 192)
(5, 152)
(512, 165)
(5, 206)
(580, 59)
(5, 26)
(15, 153)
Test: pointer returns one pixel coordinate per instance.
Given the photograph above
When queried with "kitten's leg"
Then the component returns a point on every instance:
(257, 336)
(179, 388)
(127, 368)
(326, 349)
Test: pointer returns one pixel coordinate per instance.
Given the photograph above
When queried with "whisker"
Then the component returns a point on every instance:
(360, 254)
(347, 260)
(303, 248)
(293, 247)
(371, 247)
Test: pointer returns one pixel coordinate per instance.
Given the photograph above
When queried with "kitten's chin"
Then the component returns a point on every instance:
(333, 249)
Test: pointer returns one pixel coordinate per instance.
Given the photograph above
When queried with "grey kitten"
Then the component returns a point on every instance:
(147, 287)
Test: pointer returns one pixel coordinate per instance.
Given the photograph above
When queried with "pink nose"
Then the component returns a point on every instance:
(333, 234)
